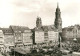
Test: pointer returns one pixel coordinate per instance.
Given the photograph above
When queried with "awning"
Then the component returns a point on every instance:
(21, 50)
(19, 44)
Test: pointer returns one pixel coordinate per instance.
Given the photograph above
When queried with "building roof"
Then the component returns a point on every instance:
(70, 28)
(22, 50)
(64, 28)
(19, 28)
(46, 28)
(38, 29)
(7, 31)
(49, 28)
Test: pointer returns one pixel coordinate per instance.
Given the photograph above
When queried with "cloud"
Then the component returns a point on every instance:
(31, 5)
(24, 12)
(30, 9)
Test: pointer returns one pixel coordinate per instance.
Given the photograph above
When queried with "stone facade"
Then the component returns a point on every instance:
(15, 36)
(53, 36)
(71, 32)
(18, 35)
(8, 39)
(27, 38)
(1, 40)
(23, 36)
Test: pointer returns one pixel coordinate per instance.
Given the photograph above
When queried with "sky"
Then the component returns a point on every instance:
(25, 12)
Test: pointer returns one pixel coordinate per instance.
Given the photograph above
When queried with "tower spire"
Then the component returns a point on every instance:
(57, 5)
(58, 20)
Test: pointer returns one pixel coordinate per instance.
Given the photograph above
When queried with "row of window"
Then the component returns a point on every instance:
(27, 45)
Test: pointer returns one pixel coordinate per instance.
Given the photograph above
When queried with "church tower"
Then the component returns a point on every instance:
(38, 22)
(58, 20)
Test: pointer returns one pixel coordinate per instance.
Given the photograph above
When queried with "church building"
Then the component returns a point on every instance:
(50, 33)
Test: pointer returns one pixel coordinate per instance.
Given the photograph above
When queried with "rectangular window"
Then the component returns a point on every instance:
(45, 34)
(1, 37)
(46, 37)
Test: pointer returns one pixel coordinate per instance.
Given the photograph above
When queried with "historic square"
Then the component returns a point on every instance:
(41, 40)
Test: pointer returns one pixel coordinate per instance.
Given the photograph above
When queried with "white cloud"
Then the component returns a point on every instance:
(24, 12)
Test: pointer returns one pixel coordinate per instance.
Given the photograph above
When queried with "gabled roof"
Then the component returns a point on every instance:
(37, 29)
(7, 31)
(49, 28)
(46, 28)
(19, 28)
(64, 28)
(69, 29)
